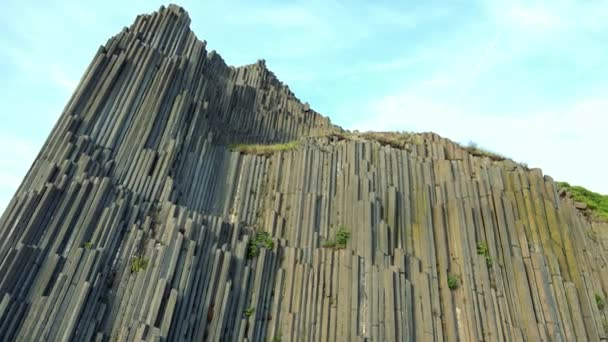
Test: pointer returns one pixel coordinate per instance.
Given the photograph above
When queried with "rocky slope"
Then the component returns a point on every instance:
(139, 221)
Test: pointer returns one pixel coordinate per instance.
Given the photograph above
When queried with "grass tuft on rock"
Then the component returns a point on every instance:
(477, 151)
(340, 241)
(249, 312)
(138, 264)
(599, 301)
(482, 249)
(453, 282)
(260, 240)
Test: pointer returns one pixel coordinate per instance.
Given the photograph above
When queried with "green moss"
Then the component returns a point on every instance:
(249, 312)
(259, 240)
(138, 264)
(265, 149)
(453, 282)
(597, 203)
(88, 245)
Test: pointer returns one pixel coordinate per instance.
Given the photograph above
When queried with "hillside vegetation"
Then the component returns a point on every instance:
(596, 202)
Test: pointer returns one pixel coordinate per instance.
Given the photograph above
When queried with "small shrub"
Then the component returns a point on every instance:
(599, 301)
(340, 241)
(88, 245)
(138, 264)
(482, 249)
(249, 311)
(260, 240)
(453, 282)
(342, 237)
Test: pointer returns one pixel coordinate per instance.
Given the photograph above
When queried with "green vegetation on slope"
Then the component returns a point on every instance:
(265, 150)
(594, 201)
(477, 151)
(399, 140)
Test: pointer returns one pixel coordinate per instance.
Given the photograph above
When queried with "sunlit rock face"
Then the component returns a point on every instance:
(151, 214)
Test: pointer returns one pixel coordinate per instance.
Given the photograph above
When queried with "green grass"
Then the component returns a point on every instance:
(88, 245)
(477, 151)
(260, 240)
(399, 140)
(453, 282)
(249, 311)
(482, 249)
(138, 264)
(265, 149)
(596, 202)
(329, 244)
(340, 241)
(277, 338)
(599, 300)
(342, 237)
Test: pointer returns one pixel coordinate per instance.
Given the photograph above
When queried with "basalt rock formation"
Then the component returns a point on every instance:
(140, 219)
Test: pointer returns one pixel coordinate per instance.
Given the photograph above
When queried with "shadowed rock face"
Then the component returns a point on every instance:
(136, 220)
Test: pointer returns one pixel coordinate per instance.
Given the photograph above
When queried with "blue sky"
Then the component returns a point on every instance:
(527, 79)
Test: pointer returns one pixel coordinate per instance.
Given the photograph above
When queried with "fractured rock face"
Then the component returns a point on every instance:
(137, 221)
